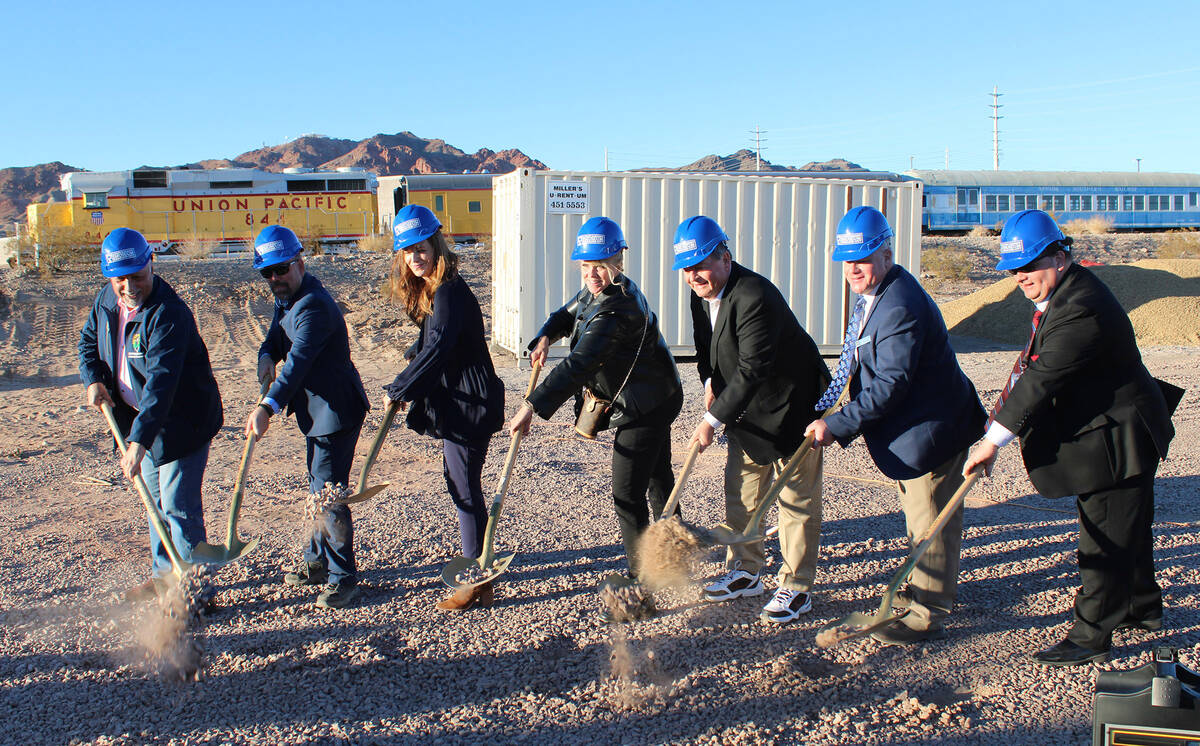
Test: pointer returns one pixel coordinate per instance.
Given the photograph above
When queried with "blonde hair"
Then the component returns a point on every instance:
(416, 293)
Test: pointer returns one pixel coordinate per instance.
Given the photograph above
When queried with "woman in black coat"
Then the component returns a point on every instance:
(450, 388)
(617, 353)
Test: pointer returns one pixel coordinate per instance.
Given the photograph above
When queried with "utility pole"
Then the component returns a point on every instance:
(606, 159)
(947, 159)
(1139, 164)
(910, 162)
(996, 128)
(758, 141)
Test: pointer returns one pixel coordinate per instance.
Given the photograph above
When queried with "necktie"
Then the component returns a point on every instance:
(842, 374)
(1018, 368)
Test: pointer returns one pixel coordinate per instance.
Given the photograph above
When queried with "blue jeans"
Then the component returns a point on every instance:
(462, 467)
(175, 488)
(332, 540)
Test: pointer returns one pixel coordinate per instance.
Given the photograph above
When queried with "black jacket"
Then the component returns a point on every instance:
(450, 381)
(317, 382)
(606, 333)
(766, 372)
(1086, 409)
(179, 405)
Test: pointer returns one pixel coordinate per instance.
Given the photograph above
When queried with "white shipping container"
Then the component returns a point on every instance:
(779, 226)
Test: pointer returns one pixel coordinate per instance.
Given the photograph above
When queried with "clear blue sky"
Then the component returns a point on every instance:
(1087, 85)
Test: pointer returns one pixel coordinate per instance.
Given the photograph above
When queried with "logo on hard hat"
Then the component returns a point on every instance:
(121, 255)
(847, 239)
(1015, 246)
(589, 239)
(265, 248)
(688, 244)
(407, 225)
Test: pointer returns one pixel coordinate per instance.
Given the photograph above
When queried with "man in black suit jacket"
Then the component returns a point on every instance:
(762, 375)
(1092, 423)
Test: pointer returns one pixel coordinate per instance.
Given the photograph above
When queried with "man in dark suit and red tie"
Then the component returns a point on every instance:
(913, 405)
(1092, 423)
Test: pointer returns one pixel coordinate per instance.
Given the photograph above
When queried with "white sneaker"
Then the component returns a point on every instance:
(732, 585)
(786, 606)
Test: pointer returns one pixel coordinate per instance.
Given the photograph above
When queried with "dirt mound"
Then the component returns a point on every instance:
(1162, 297)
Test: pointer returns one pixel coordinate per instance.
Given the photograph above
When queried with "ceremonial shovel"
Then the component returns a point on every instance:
(619, 580)
(859, 624)
(362, 494)
(491, 566)
(157, 519)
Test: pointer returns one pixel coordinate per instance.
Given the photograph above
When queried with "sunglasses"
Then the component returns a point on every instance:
(1035, 265)
(276, 270)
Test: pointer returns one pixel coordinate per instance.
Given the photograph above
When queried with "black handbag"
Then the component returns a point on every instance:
(596, 413)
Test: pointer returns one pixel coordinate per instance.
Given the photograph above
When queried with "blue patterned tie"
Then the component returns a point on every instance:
(843, 367)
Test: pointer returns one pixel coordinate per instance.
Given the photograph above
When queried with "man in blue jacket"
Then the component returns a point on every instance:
(140, 352)
(320, 385)
(914, 407)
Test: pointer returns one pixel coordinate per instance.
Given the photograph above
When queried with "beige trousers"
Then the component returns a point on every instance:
(746, 483)
(934, 582)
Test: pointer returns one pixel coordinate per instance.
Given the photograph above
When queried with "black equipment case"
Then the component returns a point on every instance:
(1157, 704)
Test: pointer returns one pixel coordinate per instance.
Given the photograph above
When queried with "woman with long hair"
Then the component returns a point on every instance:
(449, 389)
(618, 355)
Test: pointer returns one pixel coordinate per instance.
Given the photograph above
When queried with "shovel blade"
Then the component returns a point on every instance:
(725, 534)
(217, 554)
(854, 626)
(459, 565)
(366, 494)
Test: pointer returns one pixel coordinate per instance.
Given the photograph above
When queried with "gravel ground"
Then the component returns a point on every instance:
(537, 667)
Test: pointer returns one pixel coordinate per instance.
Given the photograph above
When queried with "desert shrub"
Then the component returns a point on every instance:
(1095, 224)
(312, 244)
(1179, 245)
(380, 244)
(981, 231)
(56, 247)
(945, 263)
(193, 248)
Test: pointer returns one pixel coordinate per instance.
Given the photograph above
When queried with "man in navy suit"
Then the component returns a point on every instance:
(914, 407)
(320, 385)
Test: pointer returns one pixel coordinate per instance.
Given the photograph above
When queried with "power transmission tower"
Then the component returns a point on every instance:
(758, 141)
(996, 128)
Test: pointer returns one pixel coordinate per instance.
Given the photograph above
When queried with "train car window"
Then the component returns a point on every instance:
(1060, 202)
(95, 199)
(1192, 199)
(1085, 202)
(1047, 202)
(156, 179)
(306, 185)
(989, 203)
(439, 203)
(1101, 203)
(230, 184)
(347, 185)
(1139, 202)
(1002, 202)
(1112, 203)
(1074, 203)
(1177, 202)
(474, 206)
(1127, 202)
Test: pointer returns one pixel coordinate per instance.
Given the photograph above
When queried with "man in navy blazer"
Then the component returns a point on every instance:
(914, 407)
(140, 353)
(320, 385)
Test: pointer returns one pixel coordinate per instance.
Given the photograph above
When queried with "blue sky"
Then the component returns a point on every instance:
(1087, 85)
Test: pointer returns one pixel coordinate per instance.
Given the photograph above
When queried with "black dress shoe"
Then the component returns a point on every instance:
(1067, 653)
(1153, 624)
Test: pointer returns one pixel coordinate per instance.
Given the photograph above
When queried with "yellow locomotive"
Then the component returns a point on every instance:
(212, 208)
(462, 202)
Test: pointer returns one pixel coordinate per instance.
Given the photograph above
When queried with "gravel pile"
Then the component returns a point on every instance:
(539, 666)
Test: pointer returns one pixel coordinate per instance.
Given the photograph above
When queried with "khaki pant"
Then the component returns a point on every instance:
(934, 582)
(746, 483)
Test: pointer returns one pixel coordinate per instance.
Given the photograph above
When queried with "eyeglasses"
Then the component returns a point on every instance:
(276, 270)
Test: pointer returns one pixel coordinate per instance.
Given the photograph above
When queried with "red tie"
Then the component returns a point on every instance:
(1019, 367)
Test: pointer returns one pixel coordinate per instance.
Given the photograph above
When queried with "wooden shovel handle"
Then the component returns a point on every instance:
(673, 501)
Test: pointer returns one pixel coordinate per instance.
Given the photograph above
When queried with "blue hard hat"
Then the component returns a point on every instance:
(413, 224)
(1025, 236)
(859, 233)
(275, 245)
(598, 239)
(695, 239)
(123, 252)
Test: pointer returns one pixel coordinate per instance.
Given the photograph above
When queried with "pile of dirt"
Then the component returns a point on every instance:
(1161, 296)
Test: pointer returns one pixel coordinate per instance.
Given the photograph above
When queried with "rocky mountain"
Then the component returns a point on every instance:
(21, 185)
(743, 160)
